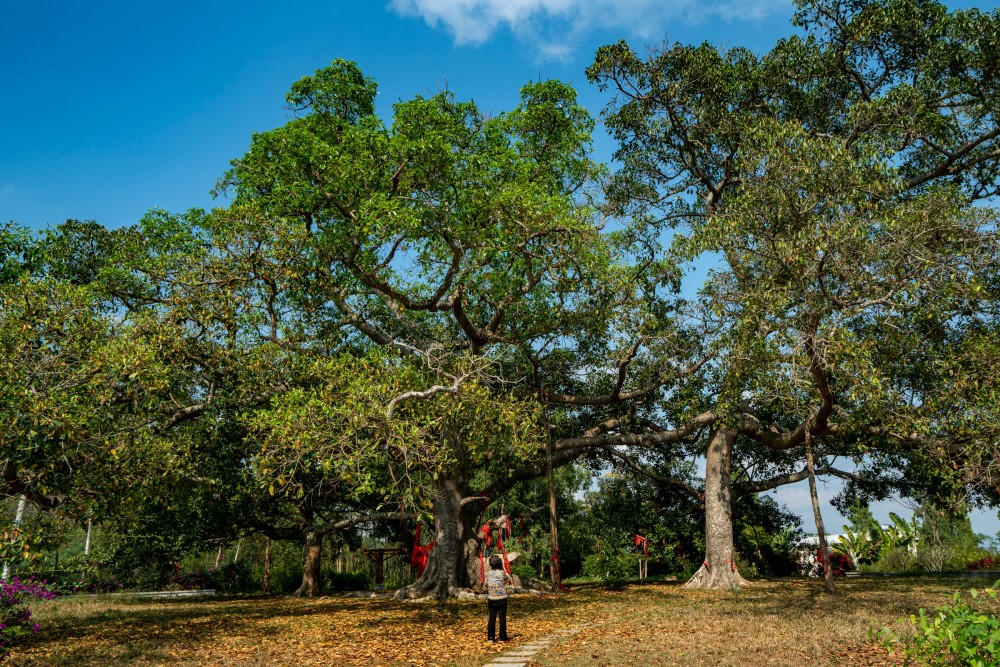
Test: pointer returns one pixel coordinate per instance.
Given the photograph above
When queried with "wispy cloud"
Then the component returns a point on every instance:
(556, 27)
(7, 191)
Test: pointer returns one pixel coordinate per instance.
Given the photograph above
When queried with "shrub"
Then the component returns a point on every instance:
(935, 558)
(348, 581)
(15, 615)
(894, 560)
(613, 567)
(964, 632)
(232, 578)
(985, 563)
(228, 578)
(524, 571)
(191, 581)
(839, 563)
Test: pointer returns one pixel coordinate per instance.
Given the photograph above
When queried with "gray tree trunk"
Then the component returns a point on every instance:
(453, 564)
(555, 563)
(22, 504)
(86, 542)
(311, 576)
(718, 571)
(814, 496)
(267, 566)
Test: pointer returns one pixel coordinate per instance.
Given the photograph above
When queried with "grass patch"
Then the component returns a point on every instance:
(785, 622)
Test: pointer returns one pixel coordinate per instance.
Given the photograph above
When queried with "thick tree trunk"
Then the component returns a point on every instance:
(311, 583)
(453, 563)
(718, 570)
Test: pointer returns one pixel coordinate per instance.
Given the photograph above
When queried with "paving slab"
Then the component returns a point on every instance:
(519, 657)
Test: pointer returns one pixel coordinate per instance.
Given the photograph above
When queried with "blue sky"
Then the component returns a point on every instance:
(112, 108)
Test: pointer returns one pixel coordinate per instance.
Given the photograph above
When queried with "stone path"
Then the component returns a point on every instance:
(519, 657)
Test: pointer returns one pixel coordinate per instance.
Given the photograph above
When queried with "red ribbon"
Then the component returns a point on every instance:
(486, 533)
(644, 543)
(420, 555)
(554, 564)
(506, 563)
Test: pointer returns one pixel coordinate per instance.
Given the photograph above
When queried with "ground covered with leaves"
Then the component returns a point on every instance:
(788, 622)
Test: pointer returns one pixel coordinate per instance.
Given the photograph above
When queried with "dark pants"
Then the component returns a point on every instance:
(497, 608)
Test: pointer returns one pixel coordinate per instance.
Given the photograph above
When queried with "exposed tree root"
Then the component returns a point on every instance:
(723, 577)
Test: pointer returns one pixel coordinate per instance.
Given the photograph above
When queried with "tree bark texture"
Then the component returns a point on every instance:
(453, 563)
(814, 496)
(555, 564)
(22, 504)
(718, 570)
(267, 566)
(311, 577)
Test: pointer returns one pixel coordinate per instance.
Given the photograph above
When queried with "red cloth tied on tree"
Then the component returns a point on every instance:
(419, 555)
(486, 533)
(644, 543)
(506, 563)
(554, 564)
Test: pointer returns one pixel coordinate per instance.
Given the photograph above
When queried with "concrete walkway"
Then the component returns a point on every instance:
(519, 657)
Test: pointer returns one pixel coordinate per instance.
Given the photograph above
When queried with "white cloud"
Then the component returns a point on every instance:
(7, 191)
(555, 27)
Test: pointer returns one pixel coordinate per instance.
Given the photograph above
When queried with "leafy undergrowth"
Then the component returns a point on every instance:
(771, 623)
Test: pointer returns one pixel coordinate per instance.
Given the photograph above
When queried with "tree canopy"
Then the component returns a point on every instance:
(398, 318)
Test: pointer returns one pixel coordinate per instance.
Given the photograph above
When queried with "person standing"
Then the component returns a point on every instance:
(496, 598)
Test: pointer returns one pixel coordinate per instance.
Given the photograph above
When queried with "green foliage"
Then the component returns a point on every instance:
(19, 253)
(15, 615)
(946, 540)
(858, 285)
(527, 503)
(348, 581)
(388, 305)
(613, 567)
(625, 504)
(899, 535)
(965, 632)
(524, 571)
(858, 546)
(859, 540)
(766, 536)
(895, 548)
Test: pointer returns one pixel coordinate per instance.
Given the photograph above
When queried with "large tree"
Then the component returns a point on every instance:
(810, 170)
(450, 239)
